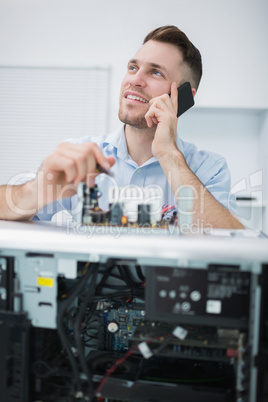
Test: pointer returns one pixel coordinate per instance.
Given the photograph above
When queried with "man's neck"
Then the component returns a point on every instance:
(139, 143)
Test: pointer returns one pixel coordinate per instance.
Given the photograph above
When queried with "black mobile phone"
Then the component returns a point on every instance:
(185, 98)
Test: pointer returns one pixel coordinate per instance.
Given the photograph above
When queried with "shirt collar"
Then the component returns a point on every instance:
(118, 140)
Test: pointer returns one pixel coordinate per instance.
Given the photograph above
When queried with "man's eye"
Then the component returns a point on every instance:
(155, 72)
(132, 68)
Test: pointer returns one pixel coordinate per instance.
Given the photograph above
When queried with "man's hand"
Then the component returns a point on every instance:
(57, 178)
(70, 164)
(163, 113)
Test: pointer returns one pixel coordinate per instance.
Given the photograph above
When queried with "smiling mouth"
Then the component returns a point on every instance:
(134, 97)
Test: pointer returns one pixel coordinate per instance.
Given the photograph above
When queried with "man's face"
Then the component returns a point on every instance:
(149, 74)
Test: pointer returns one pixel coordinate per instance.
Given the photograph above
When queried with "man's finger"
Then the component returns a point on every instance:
(174, 96)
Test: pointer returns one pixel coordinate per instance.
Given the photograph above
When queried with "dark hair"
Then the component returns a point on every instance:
(191, 55)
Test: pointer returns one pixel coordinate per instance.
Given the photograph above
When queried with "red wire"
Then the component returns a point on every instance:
(166, 208)
(120, 361)
(112, 369)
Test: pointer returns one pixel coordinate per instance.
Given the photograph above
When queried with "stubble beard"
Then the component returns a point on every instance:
(138, 122)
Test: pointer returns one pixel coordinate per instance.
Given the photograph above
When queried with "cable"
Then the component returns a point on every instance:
(124, 276)
(139, 273)
(105, 277)
(116, 276)
(116, 287)
(63, 305)
(124, 272)
(78, 362)
(77, 328)
(39, 366)
(136, 288)
(110, 371)
(163, 345)
(119, 296)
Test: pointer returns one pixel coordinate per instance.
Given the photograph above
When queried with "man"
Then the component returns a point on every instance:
(144, 151)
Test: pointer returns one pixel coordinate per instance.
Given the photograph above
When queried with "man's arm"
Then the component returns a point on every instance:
(57, 178)
(18, 202)
(206, 209)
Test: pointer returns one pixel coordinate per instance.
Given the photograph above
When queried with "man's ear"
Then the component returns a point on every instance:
(193, 92)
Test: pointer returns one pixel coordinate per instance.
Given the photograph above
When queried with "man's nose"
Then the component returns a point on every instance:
(138, 79)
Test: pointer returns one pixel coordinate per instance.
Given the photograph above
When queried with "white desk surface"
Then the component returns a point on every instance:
(46, 237)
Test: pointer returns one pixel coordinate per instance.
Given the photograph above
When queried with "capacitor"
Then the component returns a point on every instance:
(116, 213)
(124, 220)
(144, 214)
(113, 327)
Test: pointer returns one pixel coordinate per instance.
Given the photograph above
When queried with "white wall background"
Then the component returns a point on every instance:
(232, 36)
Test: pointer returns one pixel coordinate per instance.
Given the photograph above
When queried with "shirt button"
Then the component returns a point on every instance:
(139, 171)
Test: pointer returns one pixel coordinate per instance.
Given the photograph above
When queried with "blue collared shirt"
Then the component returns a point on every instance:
(210, 168)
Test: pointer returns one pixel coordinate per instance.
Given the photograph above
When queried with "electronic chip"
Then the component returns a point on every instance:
(123, 318)
(136, 322)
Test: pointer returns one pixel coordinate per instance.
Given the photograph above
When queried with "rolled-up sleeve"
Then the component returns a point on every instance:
(213, 172)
